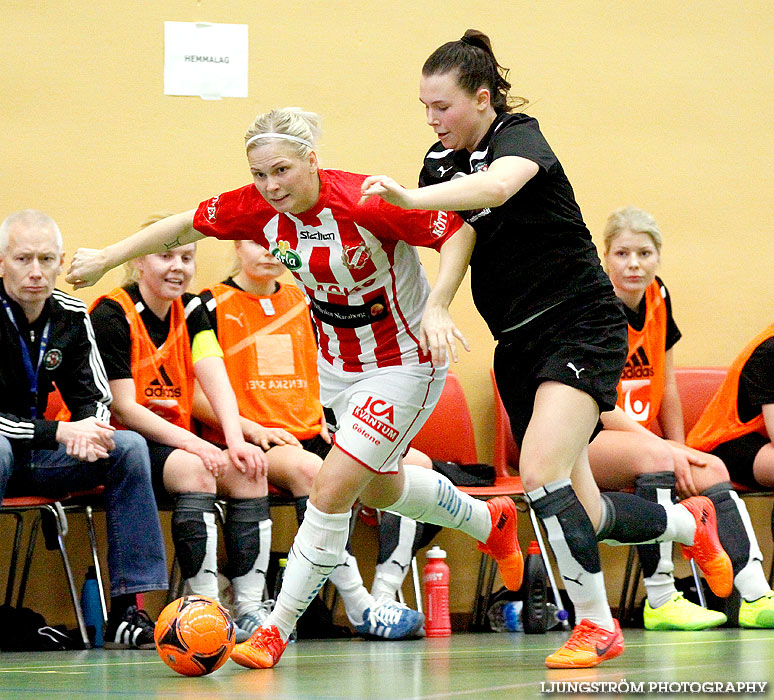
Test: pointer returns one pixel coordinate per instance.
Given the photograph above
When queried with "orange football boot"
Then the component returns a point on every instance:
(262, 650)
(706, 549)
(588, 645)
(503, 544)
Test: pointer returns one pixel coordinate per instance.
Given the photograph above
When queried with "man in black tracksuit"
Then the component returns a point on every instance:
(45, 338)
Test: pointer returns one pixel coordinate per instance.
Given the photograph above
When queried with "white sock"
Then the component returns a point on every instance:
(349, 583)
(681, 525)
(750, 581)
(205, 581)
(248, 589)
(586, 590)
(431, 498)
(318, 546)
(661, 586)
(389, 575)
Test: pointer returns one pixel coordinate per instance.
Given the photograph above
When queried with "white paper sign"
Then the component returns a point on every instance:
(208, 60)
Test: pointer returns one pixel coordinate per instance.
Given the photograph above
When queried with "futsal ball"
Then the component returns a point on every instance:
(194, 635)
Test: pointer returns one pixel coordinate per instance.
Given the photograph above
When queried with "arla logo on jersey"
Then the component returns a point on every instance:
(374, 412)
(211, 211)
(287, 256)
(355, 256)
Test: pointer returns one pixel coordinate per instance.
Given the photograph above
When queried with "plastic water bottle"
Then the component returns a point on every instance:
(534, 589)
(556, 617)
(283, 563)
(505, 616)
(436, 579)
(92, 608)
(512, 611)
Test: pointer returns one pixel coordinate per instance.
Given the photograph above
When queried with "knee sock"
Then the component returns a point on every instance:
(396, 544)
(430, 497)
(195, 535)
(399, 540)
(571, 536)
(318, 547)
(656, 559)
(629, 519)
(346, 577)
(738, 539)
(247, 537)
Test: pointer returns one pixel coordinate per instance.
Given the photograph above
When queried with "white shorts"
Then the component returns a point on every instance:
(377, 413)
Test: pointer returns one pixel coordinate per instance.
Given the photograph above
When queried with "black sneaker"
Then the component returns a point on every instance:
(133, 631)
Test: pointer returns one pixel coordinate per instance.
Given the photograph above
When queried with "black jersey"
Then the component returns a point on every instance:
(114, 337)
(756, 382)
(636, 318)
(534, 251)
(71, 360)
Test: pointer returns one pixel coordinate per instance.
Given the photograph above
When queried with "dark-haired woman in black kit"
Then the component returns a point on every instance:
(562, 335)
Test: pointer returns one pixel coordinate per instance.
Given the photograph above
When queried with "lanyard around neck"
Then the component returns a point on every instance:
(31, 371)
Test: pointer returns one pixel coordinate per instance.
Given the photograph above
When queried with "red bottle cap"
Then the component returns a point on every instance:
(533, 548)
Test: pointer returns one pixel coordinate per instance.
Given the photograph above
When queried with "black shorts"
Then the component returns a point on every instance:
(316, 445)
(580, 345)
(158, 458)
(739, 455)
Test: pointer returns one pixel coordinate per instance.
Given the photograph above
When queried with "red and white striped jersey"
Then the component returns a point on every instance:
(356, 263)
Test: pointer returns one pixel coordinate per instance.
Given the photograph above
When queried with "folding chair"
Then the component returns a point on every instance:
(55, 509)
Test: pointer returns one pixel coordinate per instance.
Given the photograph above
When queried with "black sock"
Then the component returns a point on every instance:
(631, 520)
(575, 529)
(189, 531)
(389, 535)
(120, 604)
(301, 508)
(731, 530)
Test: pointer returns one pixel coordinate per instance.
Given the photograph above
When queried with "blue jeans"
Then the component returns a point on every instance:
(136, 554)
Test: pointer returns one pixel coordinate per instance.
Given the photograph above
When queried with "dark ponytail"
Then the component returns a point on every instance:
(473, 59)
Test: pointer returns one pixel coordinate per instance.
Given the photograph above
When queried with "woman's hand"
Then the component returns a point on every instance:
(248, 459)
(87, 267)
(437, 332)
(257, 434)
(214, 459)
(684, 461)
(386, 188)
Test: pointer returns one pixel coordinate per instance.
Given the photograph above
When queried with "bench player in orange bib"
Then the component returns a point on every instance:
(264, 327)
(156, 341)
(627, 454)
(737, 426)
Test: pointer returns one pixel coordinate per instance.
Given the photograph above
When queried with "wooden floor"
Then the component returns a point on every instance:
(464, 666)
